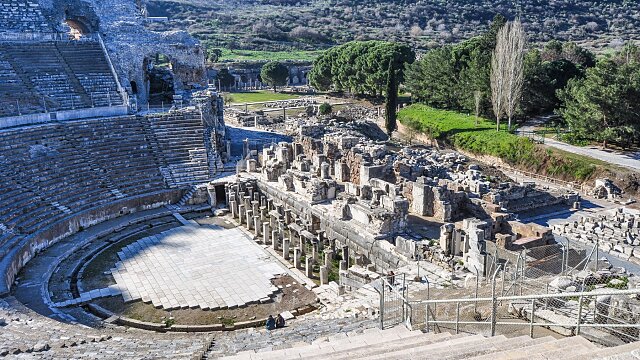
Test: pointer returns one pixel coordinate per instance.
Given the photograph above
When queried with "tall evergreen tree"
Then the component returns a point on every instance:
(391, 105)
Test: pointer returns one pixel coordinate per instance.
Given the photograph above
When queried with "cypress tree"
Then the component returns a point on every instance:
(391, 105)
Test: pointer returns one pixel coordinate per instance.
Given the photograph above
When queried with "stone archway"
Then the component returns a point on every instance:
(159, 79)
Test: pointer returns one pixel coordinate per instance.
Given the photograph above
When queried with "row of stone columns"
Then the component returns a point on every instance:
(271, 222)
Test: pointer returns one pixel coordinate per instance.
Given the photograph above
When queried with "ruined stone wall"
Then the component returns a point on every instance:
(129, 43)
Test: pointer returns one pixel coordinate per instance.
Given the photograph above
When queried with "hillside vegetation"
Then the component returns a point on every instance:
(282, 25)
(460, 131)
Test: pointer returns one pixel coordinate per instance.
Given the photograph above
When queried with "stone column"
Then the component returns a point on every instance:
(296, 257)
(324, 275)
(241, 214)
(345, 254)
(343, 265)
(266, 232)
(328, 257)
(308, 267)
(249, 219)
(233, 208)
(285, 248)
(257, 225)
(255, 206)
(324, 170)
(275, 239)
(314, 250)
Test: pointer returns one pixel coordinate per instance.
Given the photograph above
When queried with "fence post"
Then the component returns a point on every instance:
(533, 314)
(457, 317)
(426, 320)
(382, 286)
(579, 315)
(494, 306)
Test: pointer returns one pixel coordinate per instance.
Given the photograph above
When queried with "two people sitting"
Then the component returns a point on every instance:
(276, 323)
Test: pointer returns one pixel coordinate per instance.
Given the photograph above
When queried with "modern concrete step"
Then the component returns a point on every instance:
(623, 352)
(436, 348)
(496, 346)
(383, 346)
(549, 350)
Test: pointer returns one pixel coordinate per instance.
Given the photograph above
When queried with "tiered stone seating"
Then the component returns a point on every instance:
(90, 66)
(399, 343)
(134, 165)
(20, 16)
(15, 95)
(51, 171)
(176, 134)
(63, 75)
(31, 336)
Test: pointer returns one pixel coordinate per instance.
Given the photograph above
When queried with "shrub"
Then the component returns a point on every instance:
(325, 109)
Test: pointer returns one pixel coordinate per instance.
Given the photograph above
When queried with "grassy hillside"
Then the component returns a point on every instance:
(461, 131)
(285, 25)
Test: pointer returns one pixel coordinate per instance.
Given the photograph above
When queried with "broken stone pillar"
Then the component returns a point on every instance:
(324, 275)
(345, 254)
(314, 250)
(249, 219)
(233, 208)
(275, 240)
(343, 265)
(328, 257)
(285, 248)
(266, 232)
(324, 171)
(241, 214)
(296, 257)
(257, 225)
(308, 267)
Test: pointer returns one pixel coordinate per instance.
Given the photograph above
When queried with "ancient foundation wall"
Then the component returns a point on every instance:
(30, 246)
(379, 252)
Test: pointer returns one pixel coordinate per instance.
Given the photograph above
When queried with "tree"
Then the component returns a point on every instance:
(432, 79)
(514, 69)
(604, 106)
(213, 55)
(225, 78)
(477, 95)
(275, 74)
(507, 71)
(391, 104)
(359, 67)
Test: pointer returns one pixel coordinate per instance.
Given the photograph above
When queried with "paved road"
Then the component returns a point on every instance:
(629, 160)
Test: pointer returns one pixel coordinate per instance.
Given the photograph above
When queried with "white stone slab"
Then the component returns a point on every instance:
(195, 266)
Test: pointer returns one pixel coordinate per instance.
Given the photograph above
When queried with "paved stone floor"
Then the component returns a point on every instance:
(196, 266)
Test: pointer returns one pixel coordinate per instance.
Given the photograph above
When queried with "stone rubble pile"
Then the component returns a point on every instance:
(617, 232)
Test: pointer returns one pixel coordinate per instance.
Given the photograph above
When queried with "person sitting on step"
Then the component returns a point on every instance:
(271, 323)
(279, 321)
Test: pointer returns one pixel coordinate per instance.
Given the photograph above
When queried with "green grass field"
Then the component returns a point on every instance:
(461, 131)
(257, 55)
(257, 96)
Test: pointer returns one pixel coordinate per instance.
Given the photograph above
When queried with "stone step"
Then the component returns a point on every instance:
(388, 346)
(496, 346)
(438, 347)
(551, 350)
(623, 352)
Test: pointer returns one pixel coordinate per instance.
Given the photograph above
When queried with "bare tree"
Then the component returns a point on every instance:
(497, 75)
(515, 69)
(477, 96)
(507, 71)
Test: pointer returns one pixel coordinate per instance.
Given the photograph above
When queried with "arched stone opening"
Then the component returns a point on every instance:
(159, 79)
(76, 28)
(134, 87)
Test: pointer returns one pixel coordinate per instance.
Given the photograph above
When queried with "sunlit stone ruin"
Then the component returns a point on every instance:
(141, 218)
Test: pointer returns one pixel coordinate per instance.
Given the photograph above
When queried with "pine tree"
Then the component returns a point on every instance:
(392, 100)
